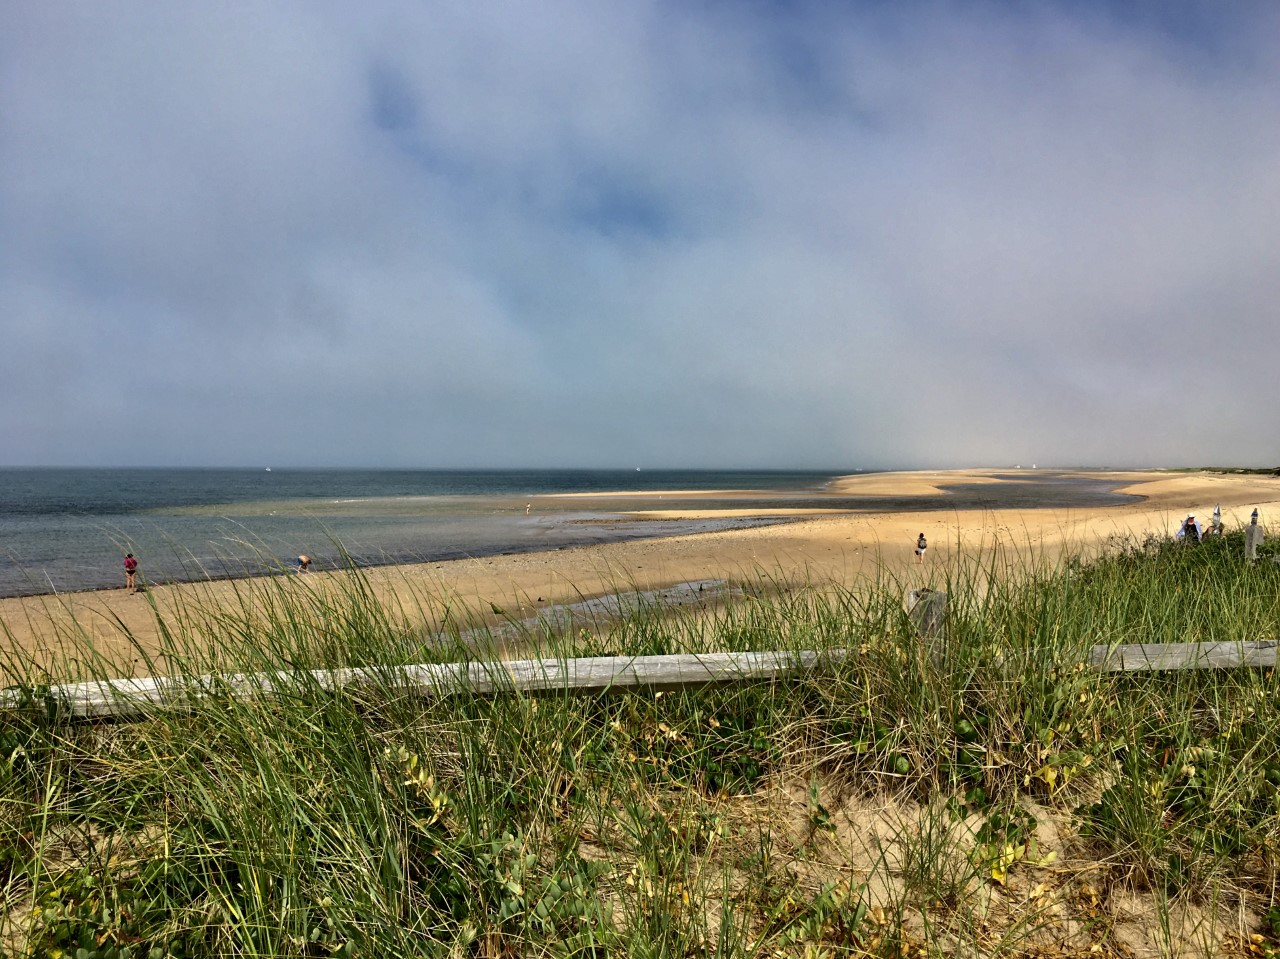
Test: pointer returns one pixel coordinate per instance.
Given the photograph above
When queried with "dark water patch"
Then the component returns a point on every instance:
(102, 492)
(1043, 490)
(1057, 492)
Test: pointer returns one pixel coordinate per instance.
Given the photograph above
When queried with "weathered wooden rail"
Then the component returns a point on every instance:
(123, 698)
(1167, 656)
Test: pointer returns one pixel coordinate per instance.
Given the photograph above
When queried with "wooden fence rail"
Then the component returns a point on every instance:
(1165, 656)
(123, 698)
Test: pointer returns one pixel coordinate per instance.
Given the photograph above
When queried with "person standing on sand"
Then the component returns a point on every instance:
(921, 545)
(130, 573)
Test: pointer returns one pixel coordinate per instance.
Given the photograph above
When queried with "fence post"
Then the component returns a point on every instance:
(1252, 540)
(927, 609)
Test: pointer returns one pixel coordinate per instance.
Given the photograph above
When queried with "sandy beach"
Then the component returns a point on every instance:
(821, 546)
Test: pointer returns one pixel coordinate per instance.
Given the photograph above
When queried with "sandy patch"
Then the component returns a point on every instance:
(913, 483)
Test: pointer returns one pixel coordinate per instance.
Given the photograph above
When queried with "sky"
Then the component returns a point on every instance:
(657, 233)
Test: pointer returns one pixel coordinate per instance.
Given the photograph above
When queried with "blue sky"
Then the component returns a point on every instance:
(828, 235)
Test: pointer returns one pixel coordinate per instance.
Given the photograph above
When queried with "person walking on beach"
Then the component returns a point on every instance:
(130, 573)
(921, 545)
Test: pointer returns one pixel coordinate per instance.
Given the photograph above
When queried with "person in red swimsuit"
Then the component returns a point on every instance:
(130, 573)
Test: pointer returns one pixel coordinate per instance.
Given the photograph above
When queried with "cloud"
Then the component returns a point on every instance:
(688, 235)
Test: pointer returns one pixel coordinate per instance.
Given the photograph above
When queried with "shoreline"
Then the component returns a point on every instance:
(287, 571)
(561, 520)
(841, 548)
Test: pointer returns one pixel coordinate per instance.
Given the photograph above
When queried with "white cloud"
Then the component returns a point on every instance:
(566, 234)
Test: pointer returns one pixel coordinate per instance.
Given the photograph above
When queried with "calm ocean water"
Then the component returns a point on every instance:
(67, 529)
(63, 530)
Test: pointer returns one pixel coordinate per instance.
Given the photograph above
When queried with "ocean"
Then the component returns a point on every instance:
(65, 530)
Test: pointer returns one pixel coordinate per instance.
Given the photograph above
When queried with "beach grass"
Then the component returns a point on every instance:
(980, 792)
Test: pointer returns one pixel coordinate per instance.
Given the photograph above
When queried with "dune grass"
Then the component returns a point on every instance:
(981, 794)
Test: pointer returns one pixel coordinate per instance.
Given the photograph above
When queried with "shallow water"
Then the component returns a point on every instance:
(66, 530)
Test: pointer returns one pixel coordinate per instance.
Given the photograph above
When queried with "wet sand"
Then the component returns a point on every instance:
(827, 540)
